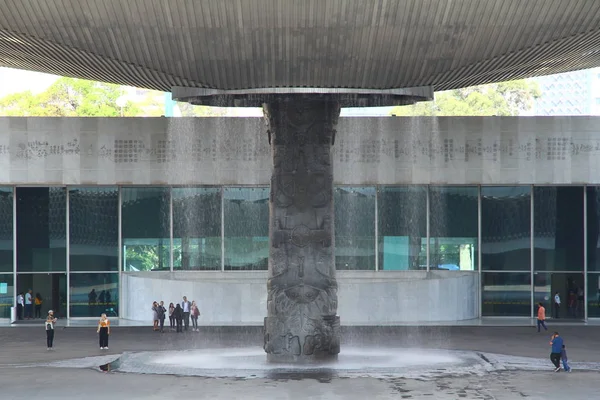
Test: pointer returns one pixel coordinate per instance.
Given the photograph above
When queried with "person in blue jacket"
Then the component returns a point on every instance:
(557, 345)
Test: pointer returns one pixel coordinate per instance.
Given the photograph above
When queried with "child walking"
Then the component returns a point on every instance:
(50, 321)
(103, 331)
(565, 360)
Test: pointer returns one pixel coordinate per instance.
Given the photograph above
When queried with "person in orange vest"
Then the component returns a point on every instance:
(541, 317)
(103, 331)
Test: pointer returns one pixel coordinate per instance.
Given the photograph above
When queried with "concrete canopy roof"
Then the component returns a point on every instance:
(257, 44)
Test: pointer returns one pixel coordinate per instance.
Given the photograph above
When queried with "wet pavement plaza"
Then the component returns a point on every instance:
(449, 363)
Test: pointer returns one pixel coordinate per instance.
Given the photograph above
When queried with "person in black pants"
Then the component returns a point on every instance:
(50, 321)
(178, 314)
(161, 315)
(186, 307)
(103, 331)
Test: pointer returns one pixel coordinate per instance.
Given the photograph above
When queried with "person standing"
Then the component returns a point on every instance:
(178, 315)
(38, 305)
(29, 304)
(186, 307)
(172, 316)
(556, 305)
(161, 315)
(195, 314)
(557, 345)
(565, 359)
(50, 321)
(155, 315)
(541, 317)
(20, 305)
(103, 331)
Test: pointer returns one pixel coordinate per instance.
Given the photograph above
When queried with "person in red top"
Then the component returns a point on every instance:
(541, 317)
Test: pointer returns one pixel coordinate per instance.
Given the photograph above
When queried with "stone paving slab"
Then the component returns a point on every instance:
(28, 345)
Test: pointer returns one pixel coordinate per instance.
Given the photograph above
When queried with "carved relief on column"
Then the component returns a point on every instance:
(302, 324)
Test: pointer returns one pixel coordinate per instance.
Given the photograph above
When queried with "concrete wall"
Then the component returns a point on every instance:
(239, 298)
(469, 150)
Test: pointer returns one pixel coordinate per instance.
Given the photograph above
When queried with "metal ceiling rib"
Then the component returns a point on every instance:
(244, 44)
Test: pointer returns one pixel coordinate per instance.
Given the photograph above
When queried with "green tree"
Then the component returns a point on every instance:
(69, 97)
(505, 98)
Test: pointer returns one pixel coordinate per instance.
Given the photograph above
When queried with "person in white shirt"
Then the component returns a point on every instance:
(20, 305)
(186, 306)
(29, 305)
(556, 305)
(49, 324)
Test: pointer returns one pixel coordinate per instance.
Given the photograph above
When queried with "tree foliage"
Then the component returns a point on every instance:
(505, 98)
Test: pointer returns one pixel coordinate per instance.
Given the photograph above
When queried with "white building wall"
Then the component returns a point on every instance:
(240, 298)
(217, 151)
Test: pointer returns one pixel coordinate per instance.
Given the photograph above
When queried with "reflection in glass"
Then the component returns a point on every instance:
(145, 228)
(51, 287)
(197, 228)
(453, 227)
(593, 295)
(41, 229)
(246, 213)
(593, 227)
(94, 294)
(506, 294)
(558, 228)
(402, 225)
(6, 230)
(355, 228)
(94, 229)
(505, 228)
(6, 295)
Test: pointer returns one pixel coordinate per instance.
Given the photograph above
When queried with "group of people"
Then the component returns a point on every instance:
(179, 315)
(103, 330)
(26, 303)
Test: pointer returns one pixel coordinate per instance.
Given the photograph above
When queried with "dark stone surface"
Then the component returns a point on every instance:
(302, 325)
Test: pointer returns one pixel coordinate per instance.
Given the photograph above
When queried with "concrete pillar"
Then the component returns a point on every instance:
(302, 325)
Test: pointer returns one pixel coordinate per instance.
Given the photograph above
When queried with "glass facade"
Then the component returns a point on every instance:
(453, 227)
(402, 227)
(196, 228)
(94, 229)
(92, 294)
(41, 229)
(558, 228)
(246, 223)
(506, 228)
(527, 242)
(355, 228)
(145, 228)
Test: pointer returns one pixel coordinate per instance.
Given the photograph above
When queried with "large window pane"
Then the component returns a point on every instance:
(41, 229)
(506, 228)
(569, 287)
(6, 295)
(506, 294)
(558, 228)
(593, 228)
(355, 228)
(94, 294)
(453, 228)
(402, 227)
(197, 228)
(52, 288)
(246, 213)
(145, 228)
(6, 230)
(593, 295)
(94, 229)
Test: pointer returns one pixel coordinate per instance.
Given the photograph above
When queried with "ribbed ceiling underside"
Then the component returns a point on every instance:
(244, 44)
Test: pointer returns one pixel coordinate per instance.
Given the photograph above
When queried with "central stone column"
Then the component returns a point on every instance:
(301, 323)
